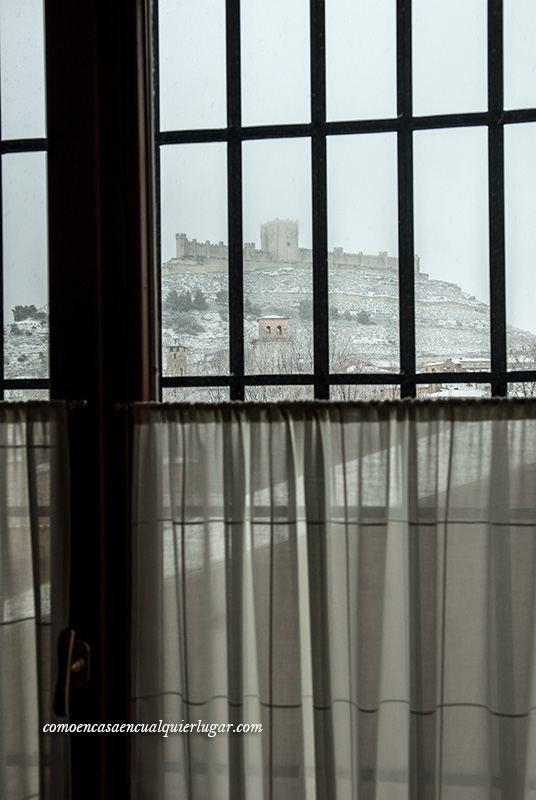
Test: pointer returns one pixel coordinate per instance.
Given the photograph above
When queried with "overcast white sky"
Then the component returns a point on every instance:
(449, 41)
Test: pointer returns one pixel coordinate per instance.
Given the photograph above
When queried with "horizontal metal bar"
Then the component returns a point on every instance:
(361, 379)
(346, 127)
(24, 383)
(519, 115)
(520, 376)
(22, 145)
(227, 134)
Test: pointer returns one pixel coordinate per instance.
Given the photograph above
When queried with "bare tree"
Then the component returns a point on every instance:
(522, 357)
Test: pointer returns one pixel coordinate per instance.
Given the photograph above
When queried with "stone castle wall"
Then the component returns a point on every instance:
(279, 245)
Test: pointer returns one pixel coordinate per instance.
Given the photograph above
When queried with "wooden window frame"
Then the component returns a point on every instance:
(103, 336)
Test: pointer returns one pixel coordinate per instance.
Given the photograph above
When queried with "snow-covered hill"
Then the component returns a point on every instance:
(449, 322)
(364, 335)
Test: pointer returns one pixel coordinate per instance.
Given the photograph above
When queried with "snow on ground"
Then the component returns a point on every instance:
(364, 324)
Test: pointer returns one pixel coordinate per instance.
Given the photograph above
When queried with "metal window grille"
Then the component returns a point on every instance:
(403, 125)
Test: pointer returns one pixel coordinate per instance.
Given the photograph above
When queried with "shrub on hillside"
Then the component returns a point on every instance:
(23, 312)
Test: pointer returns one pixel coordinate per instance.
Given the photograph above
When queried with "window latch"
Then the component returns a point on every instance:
(73, 669)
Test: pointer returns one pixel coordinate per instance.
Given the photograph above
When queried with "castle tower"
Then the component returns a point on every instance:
(180, 243)
(279, 237)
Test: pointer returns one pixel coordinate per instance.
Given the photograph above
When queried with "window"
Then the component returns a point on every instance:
(102, 295)
(428, 155)
(23, 199)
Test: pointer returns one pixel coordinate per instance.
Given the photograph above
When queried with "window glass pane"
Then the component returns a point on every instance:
(363, 250)
(451, 239)
(277, 394)
(195, 329)
(16, 395)
(22, 68)
(519, 53)
(449, 56)
(275, 61)
(192, 64)
(278, 335)
(360, 59)
(524, 389)
(195, 394)
(520, 208)
(25, 257)
(373, 392)
(445, 391)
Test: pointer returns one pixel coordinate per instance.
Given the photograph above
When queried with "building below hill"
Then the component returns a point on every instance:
(457, 365)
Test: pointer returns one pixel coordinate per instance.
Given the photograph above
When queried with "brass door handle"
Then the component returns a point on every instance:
(73, 669)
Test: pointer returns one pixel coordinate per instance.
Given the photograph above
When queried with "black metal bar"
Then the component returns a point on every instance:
(435, 121)
(157, 182)
(2, 339)
(24, 383)
(319, 197)
(519, 115)
(345, 127)
(22, 145)
(236, 284)
(358, 379)
(519, 376)
(496, 194)
(234, 207)
(406, 243)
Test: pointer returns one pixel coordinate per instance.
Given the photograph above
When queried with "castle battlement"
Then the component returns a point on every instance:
(279, 245)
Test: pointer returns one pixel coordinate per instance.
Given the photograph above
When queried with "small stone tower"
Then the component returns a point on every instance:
(176, 359)
(273, 326)
(272, 349)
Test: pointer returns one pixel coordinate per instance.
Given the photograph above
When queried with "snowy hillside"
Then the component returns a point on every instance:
(449, 322)
(364, 335)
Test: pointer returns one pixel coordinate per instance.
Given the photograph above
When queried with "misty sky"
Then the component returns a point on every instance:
(449, 40)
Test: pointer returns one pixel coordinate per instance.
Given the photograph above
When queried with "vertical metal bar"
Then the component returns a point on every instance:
(504, 623)
(234, 207)
(157, 186)
(406, 260)
(235, 536)
(40, 645)
(424, 778)
(158, 267)
(317, 508)
(406, 241)
(319, 194)
(2, 342)
(496, 197)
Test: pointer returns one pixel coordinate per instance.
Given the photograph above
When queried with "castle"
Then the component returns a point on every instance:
(279, 245)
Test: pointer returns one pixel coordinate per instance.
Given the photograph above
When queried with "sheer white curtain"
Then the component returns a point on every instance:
(34, 514)
(358, 578)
